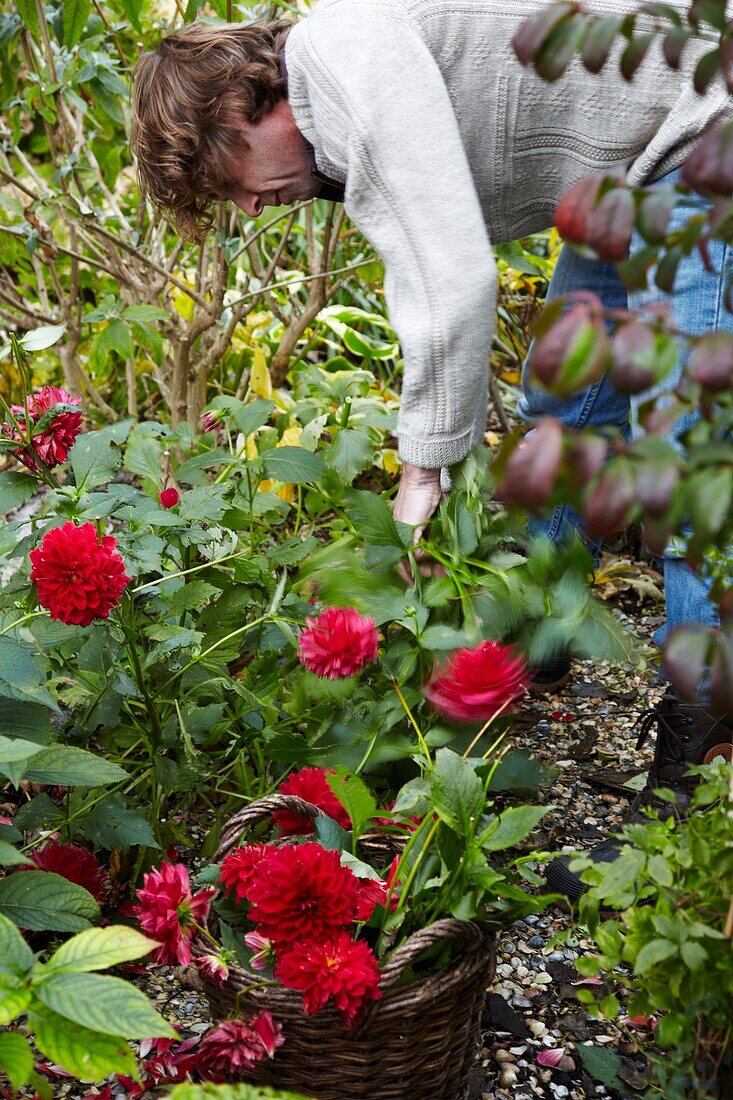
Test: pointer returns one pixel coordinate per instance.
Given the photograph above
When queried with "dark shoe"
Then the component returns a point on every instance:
(687, 734)
(551, 674)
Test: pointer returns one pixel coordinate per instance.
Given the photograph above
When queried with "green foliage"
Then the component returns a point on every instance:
(671, 887)
(77, 1019)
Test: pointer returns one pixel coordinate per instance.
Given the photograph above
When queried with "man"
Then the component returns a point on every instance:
(419, 114)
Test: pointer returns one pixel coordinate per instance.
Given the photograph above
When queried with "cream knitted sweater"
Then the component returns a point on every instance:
(445, 143)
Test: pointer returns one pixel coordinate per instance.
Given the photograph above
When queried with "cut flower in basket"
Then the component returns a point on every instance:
(311, 785)
(169, 911)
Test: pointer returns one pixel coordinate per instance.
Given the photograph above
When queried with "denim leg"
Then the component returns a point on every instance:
(598, 406)
(697, 306)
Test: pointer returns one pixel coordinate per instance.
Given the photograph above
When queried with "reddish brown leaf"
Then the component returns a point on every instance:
(721, 675)
(656, 482)
(573, 353)
(632, 351)
(530, 474)
(532, 33)
(610, 225)
(711, 363)
(607, 507)
(576, 205)
(709, 167)
(586, 454)
(686, 657)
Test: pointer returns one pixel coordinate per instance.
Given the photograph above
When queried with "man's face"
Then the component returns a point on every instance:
(273, 167)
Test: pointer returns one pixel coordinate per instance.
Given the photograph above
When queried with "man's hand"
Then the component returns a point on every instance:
(418, 496)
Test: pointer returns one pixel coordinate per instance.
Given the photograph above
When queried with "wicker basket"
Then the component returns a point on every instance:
(417, 1043)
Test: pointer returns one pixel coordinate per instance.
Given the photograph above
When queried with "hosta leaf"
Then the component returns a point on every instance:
(83, 1053)
(43, 901)
(105, 1004)
(99, 948)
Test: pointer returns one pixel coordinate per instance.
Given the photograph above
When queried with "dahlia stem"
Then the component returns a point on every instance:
(187, 572)
(23, 619)
(423, 743)
(155, 731)
(484, 728)
(216, 645)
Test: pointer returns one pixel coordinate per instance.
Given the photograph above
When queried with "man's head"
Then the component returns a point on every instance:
(211, 121)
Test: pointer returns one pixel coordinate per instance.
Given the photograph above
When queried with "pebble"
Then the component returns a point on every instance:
(556, 957)
(521, 1002)
(543, 978)
(536, 941)
(509, 1076)
(537, 1028)
(560, 1090)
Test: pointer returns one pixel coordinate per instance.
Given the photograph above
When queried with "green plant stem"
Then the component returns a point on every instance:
(212, 648)
(484, 728)
(24, 619)
(405, 892)
(423, 743)
(187, 572)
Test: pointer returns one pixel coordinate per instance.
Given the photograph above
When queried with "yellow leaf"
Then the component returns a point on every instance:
(259, 376)
(491, 439)
(390, 461)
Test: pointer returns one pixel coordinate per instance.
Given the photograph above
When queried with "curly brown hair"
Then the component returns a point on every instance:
(189, 94)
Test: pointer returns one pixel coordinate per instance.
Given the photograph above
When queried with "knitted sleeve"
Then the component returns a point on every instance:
(381, 110)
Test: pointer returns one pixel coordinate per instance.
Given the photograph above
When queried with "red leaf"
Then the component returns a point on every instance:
(712, 361)
(686, 659)
(573, 353)
(532, 33)
(607, 507)
(530, 474)
(709, 167)
(611, 224)
(576, 205)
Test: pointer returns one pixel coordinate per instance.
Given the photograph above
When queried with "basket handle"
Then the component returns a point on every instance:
(447, 929)
(257, 811)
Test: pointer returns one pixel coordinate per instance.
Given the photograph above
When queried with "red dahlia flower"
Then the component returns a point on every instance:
(169, 497)
(215, 965)
(79, 577)
(76, 864)
(302, 893)
(169, 912)
(238, 870)
(238, 1045)
(337, 967)
(310, 784)
(53, 443)
(338, 643)
(475, 683)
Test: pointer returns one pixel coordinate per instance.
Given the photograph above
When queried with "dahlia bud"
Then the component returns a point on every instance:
(712, 361)
(169, 497)
(610, 225)
(574, 208)
(607, 507)
(529, 475)
(573, 353)
(709, 167)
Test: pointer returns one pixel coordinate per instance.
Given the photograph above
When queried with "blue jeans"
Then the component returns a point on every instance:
(697, 306)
